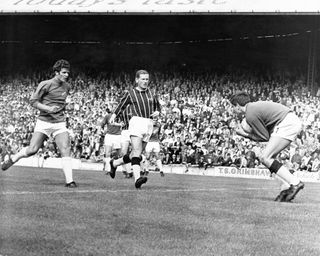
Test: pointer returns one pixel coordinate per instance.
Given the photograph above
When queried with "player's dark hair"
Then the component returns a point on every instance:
(140, 72)
(60, 64)
(241, 98)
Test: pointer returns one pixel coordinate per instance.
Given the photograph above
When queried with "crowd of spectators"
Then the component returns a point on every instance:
(197, 119)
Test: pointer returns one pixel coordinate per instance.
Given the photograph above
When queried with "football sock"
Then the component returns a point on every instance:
(283, 184)
(136, 171)
(40, 161)
(107, 165)
(127, 168)
(145, 165)
(21, 154)
(159, 164)
(287, 176)
(67, 168)
(118, 162)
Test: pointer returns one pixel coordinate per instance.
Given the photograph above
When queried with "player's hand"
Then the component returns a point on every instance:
(99, 130)
(245, 126)
(53, 109)
(155, 114)
(239, 131)
(117, 123)
(69, 107)
(112, 118)
(257, 151)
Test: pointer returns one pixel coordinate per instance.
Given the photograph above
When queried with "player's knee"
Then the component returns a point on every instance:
(136, 160)
(107, 149)
(275, 166)
(65, 151)
(32, 149)
(136, 151)
(264, 159)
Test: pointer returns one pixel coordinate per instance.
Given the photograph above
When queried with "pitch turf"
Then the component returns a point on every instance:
(174, 215)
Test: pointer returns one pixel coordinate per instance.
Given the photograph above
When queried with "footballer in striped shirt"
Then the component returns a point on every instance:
(144, 106)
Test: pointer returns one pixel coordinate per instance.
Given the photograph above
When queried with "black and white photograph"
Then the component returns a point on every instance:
(159, 128)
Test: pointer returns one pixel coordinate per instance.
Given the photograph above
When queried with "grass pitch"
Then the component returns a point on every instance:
(174, 215)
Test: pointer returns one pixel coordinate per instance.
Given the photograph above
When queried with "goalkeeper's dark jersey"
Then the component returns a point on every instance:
(263, 116)
(125, 117)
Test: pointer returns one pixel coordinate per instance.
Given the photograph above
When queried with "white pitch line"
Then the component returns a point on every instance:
(120, 191)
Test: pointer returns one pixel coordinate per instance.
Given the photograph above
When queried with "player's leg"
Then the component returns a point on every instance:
(107, 158)
(108, 143)
(144, 165)
(116, 147)
(40, 158)
(156, 150)
(125, 159)
(137, 128)
(144, 169)
(114, 163)
(35, 143)
(63, 142)
(159, 163)
(124, 151)
(284, 186)
(138, 145)
(148, 150)
(134, 129)
(268, 158)
(135, 155)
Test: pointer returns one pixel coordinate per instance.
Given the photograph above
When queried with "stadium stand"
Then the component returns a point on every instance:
(197, 118)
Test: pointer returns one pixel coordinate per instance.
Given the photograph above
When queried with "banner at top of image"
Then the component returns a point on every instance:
(160, 6)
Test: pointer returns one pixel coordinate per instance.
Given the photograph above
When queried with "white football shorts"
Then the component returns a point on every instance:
(112, 140)
(50, 128)
(288, 128)
(125, 136)
(141, 127)
(153, 146)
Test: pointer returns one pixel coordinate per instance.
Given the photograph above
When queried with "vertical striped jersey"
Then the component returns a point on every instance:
(143, 103)
(125, 117)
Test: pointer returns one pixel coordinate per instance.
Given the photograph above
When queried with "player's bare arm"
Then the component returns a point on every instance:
(112, 118)
(46, 108)
(241, 132)
(155, 114)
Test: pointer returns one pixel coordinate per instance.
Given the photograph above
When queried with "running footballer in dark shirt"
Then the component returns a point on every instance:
(50, 99)
(112, 140)
(153, 147)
